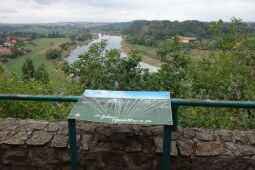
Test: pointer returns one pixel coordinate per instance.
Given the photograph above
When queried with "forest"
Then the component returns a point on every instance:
(149, 33)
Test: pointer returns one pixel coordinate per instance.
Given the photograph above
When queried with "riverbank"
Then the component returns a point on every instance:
(67, 52)
(148, 54)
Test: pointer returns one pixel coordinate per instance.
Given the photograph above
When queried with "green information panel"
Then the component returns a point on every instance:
(125, 107)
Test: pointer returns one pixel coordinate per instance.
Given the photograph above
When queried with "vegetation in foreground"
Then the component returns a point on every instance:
(224, 75)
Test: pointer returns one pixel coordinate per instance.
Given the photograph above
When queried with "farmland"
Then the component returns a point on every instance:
(38, 57)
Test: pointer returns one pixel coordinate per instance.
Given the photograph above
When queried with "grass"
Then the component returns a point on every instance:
(42, 43)
(39, 57)
(47, 31)
(198, 54)
(148, 53)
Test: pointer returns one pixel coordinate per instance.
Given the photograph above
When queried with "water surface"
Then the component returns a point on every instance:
(113, 42)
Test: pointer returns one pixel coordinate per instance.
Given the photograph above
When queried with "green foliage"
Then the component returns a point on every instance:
(100, 69)
(73, 36)
(41, 74)
(11, 84)
(225, 75)
(228, 40)
(16, 52)
(173, 73)
(55, 34)
(28, 69)
(84, 36)
(29, 72)
(220, 118)
(53, 53)
(149, 33)
(66, 45)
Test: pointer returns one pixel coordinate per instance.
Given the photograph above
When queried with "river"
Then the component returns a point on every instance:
(114, 41)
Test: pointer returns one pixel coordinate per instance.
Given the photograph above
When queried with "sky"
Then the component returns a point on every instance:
(50, 11)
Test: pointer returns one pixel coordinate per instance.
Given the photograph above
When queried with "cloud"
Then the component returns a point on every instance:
(38, 11)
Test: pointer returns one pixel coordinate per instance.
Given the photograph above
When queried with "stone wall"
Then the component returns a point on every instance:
(30, 144)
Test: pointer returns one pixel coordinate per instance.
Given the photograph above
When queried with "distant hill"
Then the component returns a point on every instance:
(167, 29)
(50, 26)
(116, 26)
(148, 33)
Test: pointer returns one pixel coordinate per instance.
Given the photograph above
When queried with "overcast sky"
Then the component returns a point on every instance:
(45, 11)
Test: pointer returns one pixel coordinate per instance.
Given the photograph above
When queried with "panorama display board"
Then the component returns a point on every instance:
(125, 107)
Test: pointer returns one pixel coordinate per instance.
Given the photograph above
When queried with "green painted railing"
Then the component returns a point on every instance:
(176, 103)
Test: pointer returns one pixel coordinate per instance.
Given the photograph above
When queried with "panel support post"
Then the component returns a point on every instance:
(175, 109)
(166, 147)
(72, 141)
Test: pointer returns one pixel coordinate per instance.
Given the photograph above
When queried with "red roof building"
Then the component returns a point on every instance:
(187, 39)
(5, 51)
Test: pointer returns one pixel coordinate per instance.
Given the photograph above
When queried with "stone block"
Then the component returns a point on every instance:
(189, 133)
(16, 139)
(15, 156)
(212, 148)
(42, 156)
(146, 131)
(3, 135)
(134, 145)
(59, 141)
(225, 135)
(9, 124)
(85, 142)
(86, 127)
(174, 151)
(185, 147)
(40, 138)
(251, 136)
(239, 136)
(148, 145)
(54, 127)
(31, 125)
(158, 141)
(159, 130)
(205, 134)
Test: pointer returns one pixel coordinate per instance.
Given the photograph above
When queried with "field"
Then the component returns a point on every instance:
(38, 56)
(42, 43)
(47, 31)
(148, 53)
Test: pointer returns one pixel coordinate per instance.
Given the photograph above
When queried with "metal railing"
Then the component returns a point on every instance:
(176, 103)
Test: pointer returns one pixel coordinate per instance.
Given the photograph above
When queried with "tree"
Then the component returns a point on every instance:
(226, 74)
(73, 36)
(84, 36)
(29, 72)
(100, 69)
(53, 53)
(41, 74)
(11, 84)
(16, 52)
(28, 69)
(173, 73)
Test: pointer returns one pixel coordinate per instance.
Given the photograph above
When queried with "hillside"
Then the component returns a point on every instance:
(148, 33)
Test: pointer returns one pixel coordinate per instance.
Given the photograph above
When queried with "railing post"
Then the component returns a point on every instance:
(175, 109)
(166, 147)
(72, 141)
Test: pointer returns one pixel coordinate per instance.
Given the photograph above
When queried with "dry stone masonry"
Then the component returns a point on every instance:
(39, 145)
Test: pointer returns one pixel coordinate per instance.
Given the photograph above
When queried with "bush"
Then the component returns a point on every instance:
(53, 53)
(10, 84)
